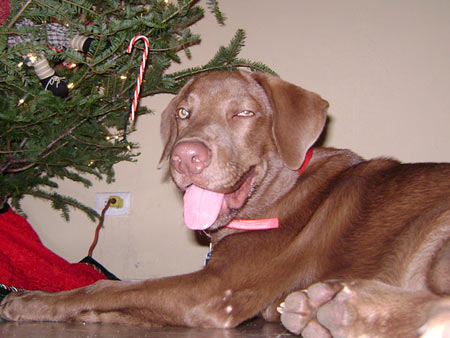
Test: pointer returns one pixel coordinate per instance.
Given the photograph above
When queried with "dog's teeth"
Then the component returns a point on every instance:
(280, 310)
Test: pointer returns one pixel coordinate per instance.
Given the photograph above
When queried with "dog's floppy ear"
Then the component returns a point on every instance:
(299, 117)
(168, 129)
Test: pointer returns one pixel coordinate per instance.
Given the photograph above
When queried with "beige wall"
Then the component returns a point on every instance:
(383, 65)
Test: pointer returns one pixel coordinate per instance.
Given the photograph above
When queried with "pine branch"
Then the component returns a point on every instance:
(213, 5)
(14, 19)
(44, 138)
(61, 203)
(85, 6)
(224, 60)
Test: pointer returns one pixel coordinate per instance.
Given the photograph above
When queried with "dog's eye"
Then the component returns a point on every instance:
(246, 113)
(183, 113)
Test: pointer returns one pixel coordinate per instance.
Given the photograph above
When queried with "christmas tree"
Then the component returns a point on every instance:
(67, 82)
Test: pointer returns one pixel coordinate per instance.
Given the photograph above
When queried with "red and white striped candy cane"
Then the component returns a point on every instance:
(141, 71)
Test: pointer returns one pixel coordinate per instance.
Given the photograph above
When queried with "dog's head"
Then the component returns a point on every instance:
(226, 133)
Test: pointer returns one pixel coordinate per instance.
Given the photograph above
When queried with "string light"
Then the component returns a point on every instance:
(22, 100)
(20, 64)
(32, 57)
(70, 85)
(112, 137)
(123, 77)
(116, 138)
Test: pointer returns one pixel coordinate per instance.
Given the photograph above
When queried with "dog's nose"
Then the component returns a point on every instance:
(190, 157)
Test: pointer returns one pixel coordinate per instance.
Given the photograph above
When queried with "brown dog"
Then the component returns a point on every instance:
(368, 242)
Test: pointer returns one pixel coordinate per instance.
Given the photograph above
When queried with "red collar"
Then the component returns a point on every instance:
(254, 224)
(266, 223)
(308, 156)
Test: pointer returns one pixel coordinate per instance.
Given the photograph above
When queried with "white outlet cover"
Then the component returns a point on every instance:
(101, 198)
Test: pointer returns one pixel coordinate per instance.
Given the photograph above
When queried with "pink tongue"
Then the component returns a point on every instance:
(201, 207)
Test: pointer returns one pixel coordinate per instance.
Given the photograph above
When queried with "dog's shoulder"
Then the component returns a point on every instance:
(343, 163)
(336, 174)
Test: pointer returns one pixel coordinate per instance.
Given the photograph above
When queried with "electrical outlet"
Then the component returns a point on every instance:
(120, 207)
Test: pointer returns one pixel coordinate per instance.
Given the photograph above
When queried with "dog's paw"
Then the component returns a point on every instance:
(361, 308)
(438, 323)
(30, 306)
(330, 309)
(300, 310)
(15, 306)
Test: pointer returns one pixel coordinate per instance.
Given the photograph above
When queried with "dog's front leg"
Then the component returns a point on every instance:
(198, 299)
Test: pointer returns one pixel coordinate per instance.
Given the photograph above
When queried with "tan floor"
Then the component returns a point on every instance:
(252, 329)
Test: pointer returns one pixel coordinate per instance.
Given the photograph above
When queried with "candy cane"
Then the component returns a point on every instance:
(141, 71)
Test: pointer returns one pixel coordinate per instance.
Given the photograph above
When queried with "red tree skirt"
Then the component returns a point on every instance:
(26, 263)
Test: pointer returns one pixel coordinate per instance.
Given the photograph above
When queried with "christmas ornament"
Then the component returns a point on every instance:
(141, 71)
(59, 38)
